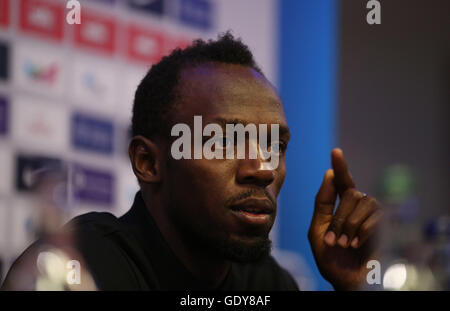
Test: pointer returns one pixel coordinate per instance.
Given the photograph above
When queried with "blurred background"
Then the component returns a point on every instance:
(378, 91)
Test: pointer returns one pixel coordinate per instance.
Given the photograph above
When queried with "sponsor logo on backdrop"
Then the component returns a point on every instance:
(42, 18)
(92, 186)
(91, 82)
(147, 6)
(4, 61)
(197, 13)
(94, 84)
(30, 170)
(45, 74)
(92, 134)
(145, 44)
(4, 13)
(39, 125)
(4, 114)
(39, 70)
(97, 31)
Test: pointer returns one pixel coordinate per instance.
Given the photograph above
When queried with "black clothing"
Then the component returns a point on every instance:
(129, 253)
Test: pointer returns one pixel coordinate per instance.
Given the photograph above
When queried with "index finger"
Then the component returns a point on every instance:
(343, 179)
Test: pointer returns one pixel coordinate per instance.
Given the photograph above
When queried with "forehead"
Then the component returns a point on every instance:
(228, 91)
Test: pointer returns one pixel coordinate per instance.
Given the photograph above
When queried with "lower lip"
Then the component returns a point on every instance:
(257, 219)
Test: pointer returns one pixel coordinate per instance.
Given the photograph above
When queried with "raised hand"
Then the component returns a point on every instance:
(343, 240)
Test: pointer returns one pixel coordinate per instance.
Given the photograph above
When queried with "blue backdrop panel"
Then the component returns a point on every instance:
(308, 64)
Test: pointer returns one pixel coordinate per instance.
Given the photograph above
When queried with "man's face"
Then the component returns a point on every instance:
(226, 205)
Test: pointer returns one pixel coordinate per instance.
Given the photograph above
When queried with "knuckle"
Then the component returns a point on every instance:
(350, 229)
(352, 223)
(364, 229)
(337, 222)
(321, 207)
(357, 195)
(376, 207)
(377, 204)
(379, 218)
(349, 193)
(371, 201)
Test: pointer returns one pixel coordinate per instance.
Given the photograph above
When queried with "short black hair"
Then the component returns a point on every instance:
(156, 92)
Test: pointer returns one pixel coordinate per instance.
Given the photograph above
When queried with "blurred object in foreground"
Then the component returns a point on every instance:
(54, 262)
(437, 234)
(415, 253)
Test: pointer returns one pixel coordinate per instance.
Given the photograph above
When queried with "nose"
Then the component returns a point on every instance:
(255, 172)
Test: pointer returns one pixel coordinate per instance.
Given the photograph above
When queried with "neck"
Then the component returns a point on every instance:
(204, 264)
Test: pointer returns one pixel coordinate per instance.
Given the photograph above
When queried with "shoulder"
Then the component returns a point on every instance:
(94, 240)
(106, 247)
(100, 221)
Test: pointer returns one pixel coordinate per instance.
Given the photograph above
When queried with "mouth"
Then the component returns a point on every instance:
(254, 211)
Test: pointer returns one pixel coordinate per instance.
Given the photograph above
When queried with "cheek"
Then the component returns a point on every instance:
(197, 192)
(282, 174)
(279, 179)
(201, 180)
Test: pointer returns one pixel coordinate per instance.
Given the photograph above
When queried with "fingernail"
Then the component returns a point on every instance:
(343, 240)
(330, 237)
(355, 242)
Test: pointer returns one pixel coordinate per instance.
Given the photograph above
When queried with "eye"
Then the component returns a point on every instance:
(278, 147)
(222, 142)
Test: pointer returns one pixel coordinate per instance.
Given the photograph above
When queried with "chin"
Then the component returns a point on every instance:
(245, 249)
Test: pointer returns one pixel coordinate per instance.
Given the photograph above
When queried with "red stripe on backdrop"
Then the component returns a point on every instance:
(41, 18)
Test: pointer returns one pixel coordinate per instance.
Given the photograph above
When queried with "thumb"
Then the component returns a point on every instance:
(325, 199)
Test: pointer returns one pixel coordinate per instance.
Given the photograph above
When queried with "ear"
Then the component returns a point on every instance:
(145, 157)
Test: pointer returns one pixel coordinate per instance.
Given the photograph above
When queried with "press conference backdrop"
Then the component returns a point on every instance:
(66, 95)
(378, 91)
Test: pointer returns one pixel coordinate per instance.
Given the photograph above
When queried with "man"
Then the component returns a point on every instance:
(204, 223)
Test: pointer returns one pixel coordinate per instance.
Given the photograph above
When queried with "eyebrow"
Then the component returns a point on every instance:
(284, 129)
